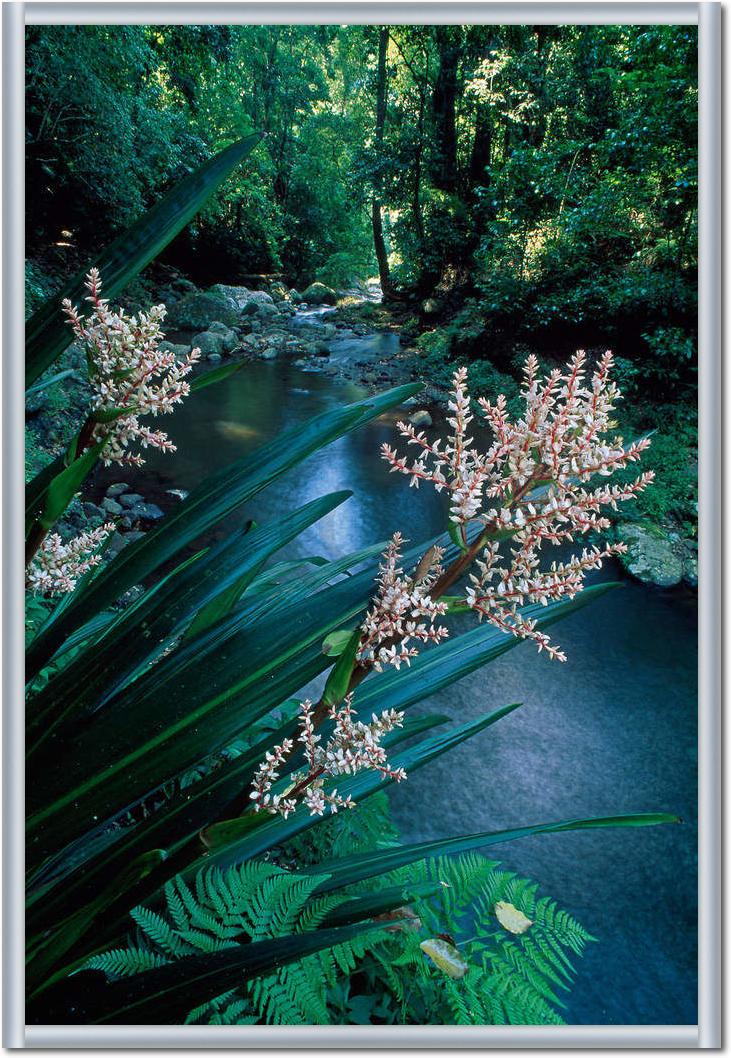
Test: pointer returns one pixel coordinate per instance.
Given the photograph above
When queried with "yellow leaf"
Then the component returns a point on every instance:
(510, 918)
(445, 956)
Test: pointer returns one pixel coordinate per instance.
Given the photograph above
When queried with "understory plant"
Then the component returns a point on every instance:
(170, 756)
(474, 945)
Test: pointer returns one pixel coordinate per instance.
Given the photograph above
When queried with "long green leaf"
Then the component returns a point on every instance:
(165, 995)
(353, 869)
(207, 505)
(277, 829)
(140, 633)
(48, 334)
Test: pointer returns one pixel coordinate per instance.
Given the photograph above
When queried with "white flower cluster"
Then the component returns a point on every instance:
(392, 622)
(57, 566)
(529, 486)
(352, 747)
(128, 370)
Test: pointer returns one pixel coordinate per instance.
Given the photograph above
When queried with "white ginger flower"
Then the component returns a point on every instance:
(127, 369)
(353, 746)
(392, 622)
(58, 565)
(530, 486)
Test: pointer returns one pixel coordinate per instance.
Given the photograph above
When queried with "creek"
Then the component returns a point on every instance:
(613, 730)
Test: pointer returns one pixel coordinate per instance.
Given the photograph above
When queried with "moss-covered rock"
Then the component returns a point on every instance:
(196, 311)
(319, 294)
(651, 556)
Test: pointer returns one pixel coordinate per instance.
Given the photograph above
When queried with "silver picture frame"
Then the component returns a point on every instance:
(707, 1033)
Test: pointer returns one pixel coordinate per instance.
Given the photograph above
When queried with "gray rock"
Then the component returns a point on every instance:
(420, 418)
(111, 506)
(229, 337)
(650, 557)
(179, 351)
(236, 297)
(92, 511)
(264, 311)
(279, 291)
(270, 354)
(209, 342)
(145, 512)
(120, 540)
(179, 494)
(261, 297)
(215, 358)
(250, 343)
(116, 544)
(196, 311)
(117, 489)
(131, 499)
(411, 402)
(295, 297)
(328, 331)
(319, 294)
(690, 571)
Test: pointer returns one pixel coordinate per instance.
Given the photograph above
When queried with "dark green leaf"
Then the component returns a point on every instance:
(48, 333)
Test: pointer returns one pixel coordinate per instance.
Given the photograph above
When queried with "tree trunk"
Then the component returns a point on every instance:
(443, 106)
(379, 243)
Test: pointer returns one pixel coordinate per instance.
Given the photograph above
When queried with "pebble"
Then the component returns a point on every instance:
(118, 489)
(111, 506)
(179, 494)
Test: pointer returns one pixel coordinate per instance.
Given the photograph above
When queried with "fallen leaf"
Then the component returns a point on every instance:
(445, 956)
(510, 918)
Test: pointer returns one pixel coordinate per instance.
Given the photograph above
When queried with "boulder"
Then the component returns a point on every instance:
(690, 571)
(179, 350)
(295, 297)
(209, 343)
(270, 354)
(230, 338)
(420, 418)
(650, 556)
(319, 294)
(279, 291)
(196, 311)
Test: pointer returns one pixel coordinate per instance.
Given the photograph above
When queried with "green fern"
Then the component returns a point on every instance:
(246, 903)
(384, 977)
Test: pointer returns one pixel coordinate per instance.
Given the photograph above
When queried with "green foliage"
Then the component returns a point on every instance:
(381, 977)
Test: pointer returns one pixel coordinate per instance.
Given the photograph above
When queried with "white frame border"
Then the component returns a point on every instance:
(708, 1032)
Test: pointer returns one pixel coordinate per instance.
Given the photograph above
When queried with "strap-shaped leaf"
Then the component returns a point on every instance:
(165, 995)
(277, 829)
(48, 333)
(207, 505)
(353, 869)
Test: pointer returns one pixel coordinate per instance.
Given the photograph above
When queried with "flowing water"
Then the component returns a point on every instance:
(611, 731)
